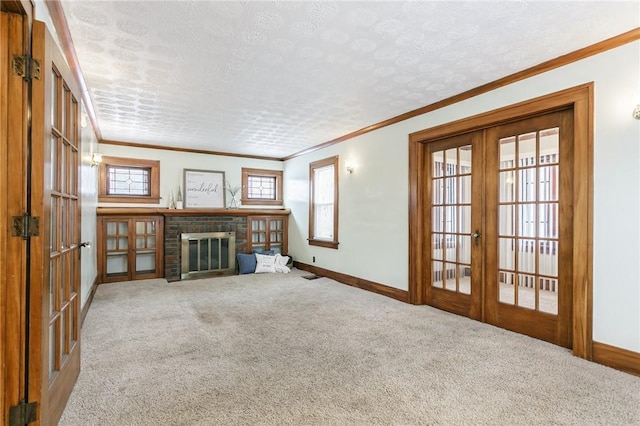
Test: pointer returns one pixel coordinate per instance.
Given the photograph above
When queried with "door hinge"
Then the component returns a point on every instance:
(25, 226)
(26, 67)
(22, 414)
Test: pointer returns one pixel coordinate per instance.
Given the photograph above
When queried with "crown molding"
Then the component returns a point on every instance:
(594, 49)
(191, 150)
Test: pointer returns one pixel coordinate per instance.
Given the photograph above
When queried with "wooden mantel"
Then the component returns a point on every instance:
(153, 211)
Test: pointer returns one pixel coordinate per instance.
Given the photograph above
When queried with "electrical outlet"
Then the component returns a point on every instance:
(314, 259)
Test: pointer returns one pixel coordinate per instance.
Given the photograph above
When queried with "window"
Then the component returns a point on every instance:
(129, 180)
(261, 187)
(323, 205)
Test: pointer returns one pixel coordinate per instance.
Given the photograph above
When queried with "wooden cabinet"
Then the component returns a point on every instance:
(130, 247)
(268, 233)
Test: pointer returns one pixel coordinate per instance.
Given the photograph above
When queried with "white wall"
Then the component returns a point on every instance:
(373, 222)
(88, 203)
(172, 164)
(373, 207)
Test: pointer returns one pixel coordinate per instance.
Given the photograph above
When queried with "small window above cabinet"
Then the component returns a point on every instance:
(130, 248)
(268, 233)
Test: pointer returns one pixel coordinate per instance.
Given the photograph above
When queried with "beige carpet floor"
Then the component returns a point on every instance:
(282, 350)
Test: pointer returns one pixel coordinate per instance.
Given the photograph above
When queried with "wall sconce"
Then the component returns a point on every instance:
(636, 112)
(350, 167)
(96, 159)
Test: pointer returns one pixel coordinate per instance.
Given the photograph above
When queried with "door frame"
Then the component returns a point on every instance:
(580, 98)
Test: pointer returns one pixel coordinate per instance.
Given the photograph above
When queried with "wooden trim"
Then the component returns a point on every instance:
(100, 243)
(560, 61)
(154, 185)
(618, 358)
(87, 305)
(417, 202)
(581, 99)
(277, 174)
(5, 400)
(190, 150)
(583, 107)
(394, 293)
(20, 7)
(335, 162)
(323, 243)
(504, 115)
(41, 206)
(585, 330)
(66, 43)
(150, 211)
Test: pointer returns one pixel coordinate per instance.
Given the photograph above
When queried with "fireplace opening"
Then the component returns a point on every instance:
(208, 253)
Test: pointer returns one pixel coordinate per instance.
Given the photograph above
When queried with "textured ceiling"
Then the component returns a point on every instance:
(272, 78)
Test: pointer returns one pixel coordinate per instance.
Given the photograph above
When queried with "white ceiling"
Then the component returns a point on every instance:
(272, 78)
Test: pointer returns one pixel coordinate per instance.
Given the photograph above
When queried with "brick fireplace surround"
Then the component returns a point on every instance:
(176, 225)
(188, 221)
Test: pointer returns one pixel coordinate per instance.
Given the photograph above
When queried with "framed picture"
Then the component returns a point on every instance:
(204, 189)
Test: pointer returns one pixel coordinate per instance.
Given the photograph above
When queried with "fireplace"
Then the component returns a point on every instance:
(182, 222)
(207, 253)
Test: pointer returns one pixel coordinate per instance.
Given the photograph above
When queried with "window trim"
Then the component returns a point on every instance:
(277, 174)
(313, 241)
(154, 180)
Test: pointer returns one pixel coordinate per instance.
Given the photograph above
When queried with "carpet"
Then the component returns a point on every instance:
(274, 349)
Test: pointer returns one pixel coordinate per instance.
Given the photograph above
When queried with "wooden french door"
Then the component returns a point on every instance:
(454, 187)
(14, 387)
(39, 265)
(529, 226)
(56, 154)
(500, 228)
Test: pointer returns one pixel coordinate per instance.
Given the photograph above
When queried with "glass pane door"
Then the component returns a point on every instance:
(451, 219)
(453, 191)
(60, 146)
(529, 196)
(528, 220)
(145, 241)
(117, 248)
(64, 267)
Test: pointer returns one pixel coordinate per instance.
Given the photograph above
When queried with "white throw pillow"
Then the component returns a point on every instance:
(265, 264)
(281, 260)
(281, 263)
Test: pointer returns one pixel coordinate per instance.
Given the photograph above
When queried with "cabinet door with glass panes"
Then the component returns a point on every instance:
(130, 248)
(268, 233)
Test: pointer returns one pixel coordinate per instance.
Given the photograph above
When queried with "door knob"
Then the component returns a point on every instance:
(476, 236)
